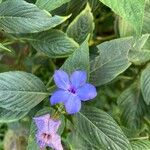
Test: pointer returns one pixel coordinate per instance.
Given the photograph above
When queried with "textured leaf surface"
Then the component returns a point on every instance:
(111, 61)
(79, 60)
(139, 57)
(125, 29)
(22, 17)
(137, 54)
(77, 142)
(133, 106)
(54, 43)
(81, 26)
(11, 116)
(2, 47)
(50, 4)
(131, 11)
(141, 145)
(145, 84)
(20, 91)
(93, 123)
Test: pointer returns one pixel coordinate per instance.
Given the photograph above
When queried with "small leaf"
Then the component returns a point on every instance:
(137, 54)
(79, 60)
(139, 57)
(81, 26)
(111, 61)
(23, 17)
(7, 116)
(145, 84)
(141, 145)
(50, 5)
(133, 106)
(54, 43)
(2, 47)
(93, 123)
(20, 91)
(131, 11)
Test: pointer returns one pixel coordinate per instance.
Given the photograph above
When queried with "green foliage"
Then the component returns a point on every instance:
(50, 5)
(145, 84)
(92, 123)
(27, 18)
(81, 26)
(54, 43)
(133, 106)
(20, 91)
(79, 60)
(141, 145)
(111, 61)
(2, 47)
(131, 11)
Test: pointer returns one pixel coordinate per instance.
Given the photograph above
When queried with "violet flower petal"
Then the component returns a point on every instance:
(73, 104)
(59, 96)
(78, 78)
(55, 142)
(41, 122)
(86, 92)
(61, 79)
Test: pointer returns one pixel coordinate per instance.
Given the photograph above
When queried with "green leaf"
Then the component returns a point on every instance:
(126, 30)
(2, 47)
(20, 91)
(7, 116)
(22, 17)
(133, 106)
(81, 26)
(50, 5)
(32, 144)
(111, 61)
(131, 11)
(77, 142)
(79, 60)
(137, 55)
(145, 84)
(54, 43)
(141, 145)
(93, 123)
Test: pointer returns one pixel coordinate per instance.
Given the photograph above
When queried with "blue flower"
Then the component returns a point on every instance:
(47, 132)
(72, 91)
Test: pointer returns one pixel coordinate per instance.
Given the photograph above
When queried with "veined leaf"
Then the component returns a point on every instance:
(141, 145)
(145, 84)
(111, 61)
(50, 5)
(20, 91)
(93, 123)
(22, 17)
(125, 29)
(77, 142)
(79, 60)
(131, 11)
(7, 116)
(54, 43)
(2, 47)
(137, 54)
(139, 57)
(81, 26)
(133, 106)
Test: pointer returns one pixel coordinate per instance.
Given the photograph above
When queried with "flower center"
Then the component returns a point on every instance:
(46, 137)
(72, 90)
